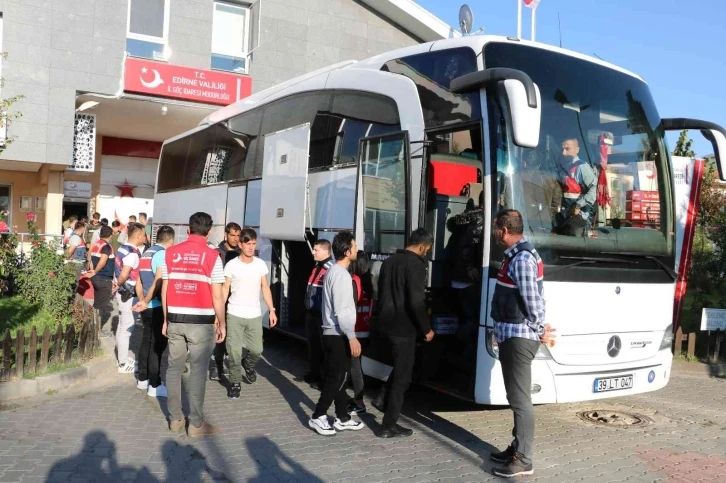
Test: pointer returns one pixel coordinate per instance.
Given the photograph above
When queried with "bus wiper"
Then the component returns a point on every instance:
(653, 258)
(597, 259)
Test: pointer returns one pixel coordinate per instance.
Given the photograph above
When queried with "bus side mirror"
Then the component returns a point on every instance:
(521, 95)
(525, 119)
(713, 132)
(718, 141)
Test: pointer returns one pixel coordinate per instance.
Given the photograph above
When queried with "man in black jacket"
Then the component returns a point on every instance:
(399, 318)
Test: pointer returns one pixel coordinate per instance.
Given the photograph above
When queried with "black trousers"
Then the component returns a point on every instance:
(153, 344)
(314, 335)
(220, 349)
(337, 368)
(402, 353)
(102, 298)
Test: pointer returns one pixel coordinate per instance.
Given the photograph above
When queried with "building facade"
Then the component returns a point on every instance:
(105, 82)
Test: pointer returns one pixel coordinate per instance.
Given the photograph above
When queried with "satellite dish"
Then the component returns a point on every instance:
(466, 19)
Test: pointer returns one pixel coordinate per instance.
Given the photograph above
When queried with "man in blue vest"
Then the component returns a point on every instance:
(518, 310)
(148, 290)
(101, 275)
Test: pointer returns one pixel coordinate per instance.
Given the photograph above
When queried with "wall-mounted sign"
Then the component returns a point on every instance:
(209, 86)
(713, 319)
(77, 189)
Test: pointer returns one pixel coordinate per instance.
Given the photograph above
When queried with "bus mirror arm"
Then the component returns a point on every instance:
(520, 99)
(714, 133)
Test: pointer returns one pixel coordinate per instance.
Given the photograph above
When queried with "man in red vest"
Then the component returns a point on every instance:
(191, 295)
(579, 190)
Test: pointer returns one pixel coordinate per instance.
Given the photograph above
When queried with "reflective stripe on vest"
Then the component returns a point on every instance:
(108, 269)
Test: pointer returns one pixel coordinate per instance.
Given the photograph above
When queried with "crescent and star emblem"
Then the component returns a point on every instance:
(156, 82)
(177, 258)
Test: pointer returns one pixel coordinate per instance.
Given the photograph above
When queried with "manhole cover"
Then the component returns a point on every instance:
(614, 419)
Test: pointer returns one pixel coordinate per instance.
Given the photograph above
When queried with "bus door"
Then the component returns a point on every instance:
(454, 215)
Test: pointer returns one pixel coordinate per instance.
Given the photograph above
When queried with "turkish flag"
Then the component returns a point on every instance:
(531, 3)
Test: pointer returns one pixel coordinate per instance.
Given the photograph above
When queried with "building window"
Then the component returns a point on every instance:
(26, 203)
(230, 34)
(5, 207)
(148, 29)
(40, 203)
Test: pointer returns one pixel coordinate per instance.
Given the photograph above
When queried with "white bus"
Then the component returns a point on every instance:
(410, 138)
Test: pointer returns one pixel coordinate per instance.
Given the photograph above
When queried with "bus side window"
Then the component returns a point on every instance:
(244, 130)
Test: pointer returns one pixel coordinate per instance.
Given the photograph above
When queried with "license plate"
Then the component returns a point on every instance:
(613, 383)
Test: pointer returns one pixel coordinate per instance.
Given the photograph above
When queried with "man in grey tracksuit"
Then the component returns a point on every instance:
(339, 341)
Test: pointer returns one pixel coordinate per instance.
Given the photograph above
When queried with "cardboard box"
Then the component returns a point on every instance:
(635, 195)
(636, 216)
(643, 206)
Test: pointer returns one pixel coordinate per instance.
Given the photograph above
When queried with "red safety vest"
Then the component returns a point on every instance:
(571, 189)
(364, 309)
(189, 268)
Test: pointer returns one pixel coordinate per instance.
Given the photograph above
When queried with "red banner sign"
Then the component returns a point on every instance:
(208, 86)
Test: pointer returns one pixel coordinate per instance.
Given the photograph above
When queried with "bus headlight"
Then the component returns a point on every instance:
(543, 353)
(492, 345)
(667, 341)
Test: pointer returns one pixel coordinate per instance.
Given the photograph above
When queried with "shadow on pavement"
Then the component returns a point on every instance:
(273, 463)
(97, 461)
(299, 402)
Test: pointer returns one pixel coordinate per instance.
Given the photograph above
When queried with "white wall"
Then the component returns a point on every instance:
(140, 172)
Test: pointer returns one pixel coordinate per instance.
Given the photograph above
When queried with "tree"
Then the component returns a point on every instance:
(5, 115)
(683, 146)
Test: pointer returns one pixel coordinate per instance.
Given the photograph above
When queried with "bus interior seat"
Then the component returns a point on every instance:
(449, 173)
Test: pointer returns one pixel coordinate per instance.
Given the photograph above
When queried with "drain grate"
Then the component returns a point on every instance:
(614, 419)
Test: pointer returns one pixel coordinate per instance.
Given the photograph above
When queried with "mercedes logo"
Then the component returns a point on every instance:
(614, 345)
(617, 290)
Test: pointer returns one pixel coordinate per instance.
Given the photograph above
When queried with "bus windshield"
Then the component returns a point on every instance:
(599, 181)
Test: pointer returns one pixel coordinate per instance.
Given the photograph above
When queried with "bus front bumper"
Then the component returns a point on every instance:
(555, 383)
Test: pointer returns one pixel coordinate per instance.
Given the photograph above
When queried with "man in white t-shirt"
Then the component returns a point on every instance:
(245, 276)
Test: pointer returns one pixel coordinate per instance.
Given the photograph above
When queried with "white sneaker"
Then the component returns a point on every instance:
(159, 391)
(350, 425)
(127, 368)
(143, 385)
(321, 426)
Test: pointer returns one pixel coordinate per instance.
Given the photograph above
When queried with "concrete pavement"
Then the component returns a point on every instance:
(113, 432)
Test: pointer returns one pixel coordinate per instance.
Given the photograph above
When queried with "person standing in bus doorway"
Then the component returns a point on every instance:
(314, 306)
(148, 291)
(126, 274)
(228, 250)
(399, 318)
(339, 340)
(518, 310)
(244, 278)
(191, 294)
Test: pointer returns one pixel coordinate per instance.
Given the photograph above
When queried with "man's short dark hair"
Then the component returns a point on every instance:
(342, 243)
(232, 226)
(143, 214)
(164, 234)
(324, 244)
(115, 223)
(200, 223)
(132, 217)
(104, 221)
(105, 231)
(79, 225)
(132, 228)
(511, 220)
(72, 218)
(420, 236)
(248, 235)
(96, 215)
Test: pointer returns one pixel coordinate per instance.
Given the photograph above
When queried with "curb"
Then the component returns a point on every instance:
(700, 368)
(25, 388)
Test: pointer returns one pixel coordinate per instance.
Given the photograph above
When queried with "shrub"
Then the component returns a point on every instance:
(45, 278)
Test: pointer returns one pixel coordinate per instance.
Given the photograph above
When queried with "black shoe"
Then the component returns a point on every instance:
(214, 373)
(405, 432)
(234, 391)
(354, 409)
(515, 467)
(504, 456)
(250, 373)
(396, 431)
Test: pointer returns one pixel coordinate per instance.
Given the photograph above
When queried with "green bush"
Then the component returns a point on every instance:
(45, 279)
